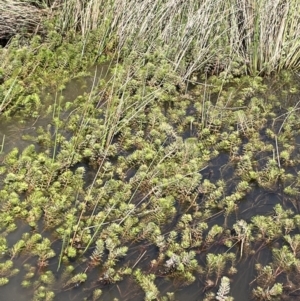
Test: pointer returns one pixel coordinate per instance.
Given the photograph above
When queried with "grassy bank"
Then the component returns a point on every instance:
(231, 38)
(194, 35)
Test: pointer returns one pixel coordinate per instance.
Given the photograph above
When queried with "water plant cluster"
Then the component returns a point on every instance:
(122, 186)
(170, 174)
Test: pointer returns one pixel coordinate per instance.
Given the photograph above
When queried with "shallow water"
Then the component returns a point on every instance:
(11, 133)
(257, 202)
(12, 130)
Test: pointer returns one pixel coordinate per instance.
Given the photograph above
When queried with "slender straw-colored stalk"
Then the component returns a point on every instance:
(62, 249)
(98, 229)
(57, 126)
(2, 145)
(4, 102)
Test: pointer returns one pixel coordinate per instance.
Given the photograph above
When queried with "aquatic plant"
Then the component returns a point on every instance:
(224, 290)
(147, 284)
(148, 188)
(144, 177)
(6, 271)
(270, 293)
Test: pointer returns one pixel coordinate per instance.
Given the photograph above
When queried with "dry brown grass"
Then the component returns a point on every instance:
(267, 33)
(19, 17)
(261, 34)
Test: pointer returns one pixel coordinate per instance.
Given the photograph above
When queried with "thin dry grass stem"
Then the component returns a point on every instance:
(287, 116)
(280, 129)
(139, 259)
(277, 151)
(2, 145)
(5, 102)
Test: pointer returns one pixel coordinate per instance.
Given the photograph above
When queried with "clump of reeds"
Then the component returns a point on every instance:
(266, 34)
(262, 36)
